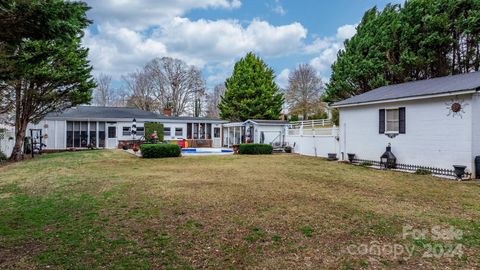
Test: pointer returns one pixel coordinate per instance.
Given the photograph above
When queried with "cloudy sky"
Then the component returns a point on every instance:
(213, 34)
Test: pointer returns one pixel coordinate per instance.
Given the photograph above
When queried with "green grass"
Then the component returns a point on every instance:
(111, 210)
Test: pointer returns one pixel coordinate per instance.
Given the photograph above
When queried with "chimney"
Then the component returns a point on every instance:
(167, 111)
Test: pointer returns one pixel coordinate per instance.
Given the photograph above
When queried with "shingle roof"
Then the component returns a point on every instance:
(261, 121)
(93, 112)
(435, 86)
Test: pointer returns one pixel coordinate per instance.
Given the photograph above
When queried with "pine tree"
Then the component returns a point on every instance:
(251, 92)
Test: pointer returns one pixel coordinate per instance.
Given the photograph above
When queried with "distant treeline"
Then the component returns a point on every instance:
(418, 40)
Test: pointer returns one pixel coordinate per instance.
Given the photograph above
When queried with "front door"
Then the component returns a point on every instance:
(217, 141)
(112, 136)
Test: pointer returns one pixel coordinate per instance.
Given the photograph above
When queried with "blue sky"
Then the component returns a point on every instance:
(213, 34)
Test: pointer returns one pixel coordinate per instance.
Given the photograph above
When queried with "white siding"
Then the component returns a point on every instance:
(318, 146)
(272, 133)
(432, 138)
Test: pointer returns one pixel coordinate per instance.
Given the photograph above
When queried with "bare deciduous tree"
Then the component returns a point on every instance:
(140, 91)
(303, 92)
(213, 99)
(102, 94)
(175, 84)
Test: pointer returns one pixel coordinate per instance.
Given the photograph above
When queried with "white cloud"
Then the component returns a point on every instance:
(282, 78)
(201, 42)
(127, 34)
(278, 8)
(327, 48)
(346, 31)
(141, 14)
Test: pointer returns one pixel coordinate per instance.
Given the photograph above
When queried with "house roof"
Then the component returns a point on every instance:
(258, 122)
(98, 112)
(269, 122)
(454, 84)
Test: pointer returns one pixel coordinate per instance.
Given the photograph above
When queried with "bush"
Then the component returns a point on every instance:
(423, 172)
(255, 149)
(366, 164)
(3, 157)
(160, 150)
(151, 128)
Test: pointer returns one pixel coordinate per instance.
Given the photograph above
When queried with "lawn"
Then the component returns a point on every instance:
(111, 210)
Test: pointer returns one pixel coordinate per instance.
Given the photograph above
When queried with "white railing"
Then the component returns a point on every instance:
(312, 123)
(313, 131)
(7, 142)
(319, 127)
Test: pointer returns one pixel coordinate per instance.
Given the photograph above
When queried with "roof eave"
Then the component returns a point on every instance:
(446, 94)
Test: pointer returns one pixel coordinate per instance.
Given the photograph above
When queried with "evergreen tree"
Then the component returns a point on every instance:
(421, 40)
(251, 92)
(44, 67)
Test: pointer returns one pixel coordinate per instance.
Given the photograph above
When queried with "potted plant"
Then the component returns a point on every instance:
(235, 148)
(135, 148)
(288, 149)
(332, 156)
(459, 171)
(351, 157)
(153, 138)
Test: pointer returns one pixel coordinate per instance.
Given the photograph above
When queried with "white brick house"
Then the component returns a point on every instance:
(433, 122)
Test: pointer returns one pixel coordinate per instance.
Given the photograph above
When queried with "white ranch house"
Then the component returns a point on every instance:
(109, 127)
(433, 122)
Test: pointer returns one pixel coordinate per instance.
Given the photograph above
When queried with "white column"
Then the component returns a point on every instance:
(234, 135)
(228, 137)
(241, 131)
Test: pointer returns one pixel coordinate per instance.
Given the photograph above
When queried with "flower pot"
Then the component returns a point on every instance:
(332, 156)
(351, 157)
(459, 171)
(235, 148)
(288, 149)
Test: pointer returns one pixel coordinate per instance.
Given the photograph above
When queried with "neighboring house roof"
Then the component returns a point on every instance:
(448, 85)
(268, 122)
(97, 112)
(258, 122)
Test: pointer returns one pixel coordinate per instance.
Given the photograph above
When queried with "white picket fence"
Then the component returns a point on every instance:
(7, 142)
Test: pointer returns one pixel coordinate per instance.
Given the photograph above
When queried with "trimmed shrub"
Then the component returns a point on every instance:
(160, 150)
(255, 149)
(151, 128)
(3, 157)
(423, 172)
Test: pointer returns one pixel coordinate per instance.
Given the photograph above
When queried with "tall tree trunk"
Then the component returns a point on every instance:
(17, 152)
(20, 127)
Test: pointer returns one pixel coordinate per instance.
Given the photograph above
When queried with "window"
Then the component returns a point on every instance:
(140, 131)
(166, 132)
(84, 134)
(101, 134)
(216, 132)
(76, 134)
(93, 133)
(69, 134)
(178, 132)
(126, 131)
(392, 121)
(112, 132)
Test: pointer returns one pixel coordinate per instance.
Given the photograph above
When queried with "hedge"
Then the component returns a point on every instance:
(160, 150)
(255, 149)
(150, 128)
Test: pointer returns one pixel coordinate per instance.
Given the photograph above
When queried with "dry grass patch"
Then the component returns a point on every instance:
(220, 212)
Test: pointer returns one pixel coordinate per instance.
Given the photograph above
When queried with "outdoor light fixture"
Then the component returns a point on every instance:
(388, 159)
(134, 132)
(134, 128)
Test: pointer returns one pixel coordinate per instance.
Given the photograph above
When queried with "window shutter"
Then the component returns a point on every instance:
(381, 121)
(401, 120)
